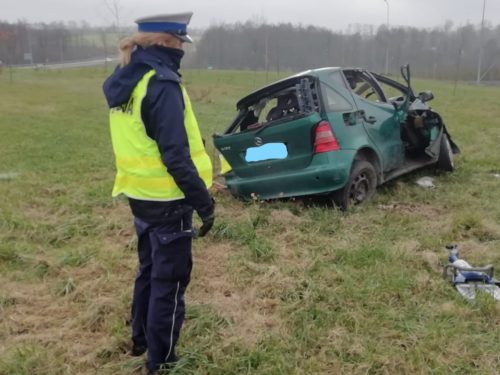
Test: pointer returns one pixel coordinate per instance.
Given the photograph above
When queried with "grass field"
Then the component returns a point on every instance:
(278, 288)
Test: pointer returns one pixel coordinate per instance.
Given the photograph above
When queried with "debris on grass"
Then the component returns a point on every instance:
(9, 176)
(426, 182)
(469, 280)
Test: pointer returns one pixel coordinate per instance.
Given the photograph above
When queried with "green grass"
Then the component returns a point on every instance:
(292, 287)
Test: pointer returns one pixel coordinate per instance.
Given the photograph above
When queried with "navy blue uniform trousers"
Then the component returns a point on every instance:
(165, 263)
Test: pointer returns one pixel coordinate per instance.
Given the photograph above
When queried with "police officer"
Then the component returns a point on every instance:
(164, 170)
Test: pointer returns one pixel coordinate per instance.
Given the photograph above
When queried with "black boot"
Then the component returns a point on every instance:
(138, 350)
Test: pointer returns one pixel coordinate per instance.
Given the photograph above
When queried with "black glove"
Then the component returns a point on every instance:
(208, 223)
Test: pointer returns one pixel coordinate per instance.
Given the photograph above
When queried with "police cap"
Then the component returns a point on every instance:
(175, 24)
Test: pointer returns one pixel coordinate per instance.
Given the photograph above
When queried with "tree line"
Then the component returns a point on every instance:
(41, 43)
(445, 52)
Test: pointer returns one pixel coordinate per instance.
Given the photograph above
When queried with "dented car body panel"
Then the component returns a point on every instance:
(312, 133)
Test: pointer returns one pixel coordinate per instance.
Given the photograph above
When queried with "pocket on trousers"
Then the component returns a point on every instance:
(167, 238)
(172, 259)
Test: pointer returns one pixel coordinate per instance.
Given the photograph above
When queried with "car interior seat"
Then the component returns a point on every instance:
(287, 104)
(351, 80)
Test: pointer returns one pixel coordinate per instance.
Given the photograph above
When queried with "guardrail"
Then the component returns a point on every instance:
(68, 64)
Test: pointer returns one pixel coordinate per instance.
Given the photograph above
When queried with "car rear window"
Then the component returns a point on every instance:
(296, 100)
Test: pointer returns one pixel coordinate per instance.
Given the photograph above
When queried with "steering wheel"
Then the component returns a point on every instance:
(369, 94)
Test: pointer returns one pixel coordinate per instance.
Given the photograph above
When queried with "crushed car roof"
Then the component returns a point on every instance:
(276, 86)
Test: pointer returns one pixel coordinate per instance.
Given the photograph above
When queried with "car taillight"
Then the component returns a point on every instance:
(324, 139)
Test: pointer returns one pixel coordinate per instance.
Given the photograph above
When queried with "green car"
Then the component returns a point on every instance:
(335, 131)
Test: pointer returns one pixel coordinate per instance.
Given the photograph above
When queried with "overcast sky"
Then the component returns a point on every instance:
(333, 14)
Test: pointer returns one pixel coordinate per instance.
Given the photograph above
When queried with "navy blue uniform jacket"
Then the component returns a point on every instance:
(163, 116)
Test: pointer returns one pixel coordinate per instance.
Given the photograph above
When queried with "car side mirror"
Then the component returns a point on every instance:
(426, 96)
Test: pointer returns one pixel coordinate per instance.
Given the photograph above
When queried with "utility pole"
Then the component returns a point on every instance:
(387, 42)
(480, 59)
(266, 54)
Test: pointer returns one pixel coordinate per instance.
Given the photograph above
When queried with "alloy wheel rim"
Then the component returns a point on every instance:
(359, 188)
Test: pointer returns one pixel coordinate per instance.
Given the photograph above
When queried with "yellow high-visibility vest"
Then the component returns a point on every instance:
(224, 165)
(140, 172)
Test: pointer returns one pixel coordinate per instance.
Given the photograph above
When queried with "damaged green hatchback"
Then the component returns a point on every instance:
(336, 131)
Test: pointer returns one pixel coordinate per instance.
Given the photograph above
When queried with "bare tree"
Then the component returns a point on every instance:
(115, 9)
(8, 44)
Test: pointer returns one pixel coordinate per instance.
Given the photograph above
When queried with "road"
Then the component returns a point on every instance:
(65, 65)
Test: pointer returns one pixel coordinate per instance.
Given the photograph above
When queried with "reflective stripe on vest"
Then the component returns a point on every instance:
(140, 172)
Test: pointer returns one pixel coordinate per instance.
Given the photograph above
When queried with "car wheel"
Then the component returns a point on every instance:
(360, 186)
(445, 161)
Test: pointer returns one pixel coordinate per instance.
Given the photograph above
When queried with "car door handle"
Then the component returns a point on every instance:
(368, 119)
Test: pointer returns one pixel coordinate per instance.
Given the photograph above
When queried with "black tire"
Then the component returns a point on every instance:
(360, 186)
(445, 160)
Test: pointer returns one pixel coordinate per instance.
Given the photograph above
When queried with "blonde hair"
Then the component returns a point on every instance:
(128, 44)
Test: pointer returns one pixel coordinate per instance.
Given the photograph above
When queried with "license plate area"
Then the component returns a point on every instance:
(269, 151)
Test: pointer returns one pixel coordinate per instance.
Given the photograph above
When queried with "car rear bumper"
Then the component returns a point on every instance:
(327, 172)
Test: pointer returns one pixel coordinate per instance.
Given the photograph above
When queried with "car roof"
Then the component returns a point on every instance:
(278, 85)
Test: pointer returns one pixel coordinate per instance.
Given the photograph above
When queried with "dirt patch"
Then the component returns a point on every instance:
(424, 210)
(476, 253)
(38, 315)
(77, 326)
(118, 231)
(119, 211)
(284, 218)
(235, 211)
(409, 246)
(251, 311)
(39, 213)
(431, 259)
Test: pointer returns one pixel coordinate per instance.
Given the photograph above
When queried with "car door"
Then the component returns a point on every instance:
(379, 118)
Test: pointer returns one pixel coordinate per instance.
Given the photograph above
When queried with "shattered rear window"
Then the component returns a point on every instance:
(298, 99)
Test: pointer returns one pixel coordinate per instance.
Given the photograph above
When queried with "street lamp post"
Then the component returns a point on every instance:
(387, 42)
(479, 62)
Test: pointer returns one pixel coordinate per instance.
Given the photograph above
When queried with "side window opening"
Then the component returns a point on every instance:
(363, 86)
(392, 93)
